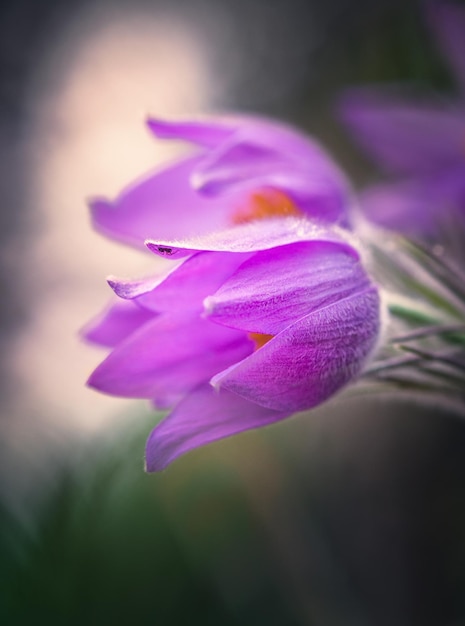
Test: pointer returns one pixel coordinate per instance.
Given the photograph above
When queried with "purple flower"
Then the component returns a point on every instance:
(212, 187)
(264, 308)
(419, 142)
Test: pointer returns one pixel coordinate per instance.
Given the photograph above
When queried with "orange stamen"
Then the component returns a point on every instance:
(259, 339)
(265, 204)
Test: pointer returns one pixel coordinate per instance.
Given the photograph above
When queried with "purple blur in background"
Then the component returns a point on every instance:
(419, 141)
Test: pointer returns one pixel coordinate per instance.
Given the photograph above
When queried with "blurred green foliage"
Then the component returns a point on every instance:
(230, 534)
(109, 544)
(312, 522)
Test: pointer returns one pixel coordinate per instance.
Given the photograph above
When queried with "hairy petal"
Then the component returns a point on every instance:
(310, 360)
(275, 137)
(117, 322)
(162, 204)
(204, 416)
(262, 155)
(250, 152)
(207, 133)
(275, 287)
(170, 355)
(185, 288)
(130, 289)
(252, 237)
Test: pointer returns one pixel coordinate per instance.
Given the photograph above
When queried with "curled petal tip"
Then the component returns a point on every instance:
(154, 124)
(98, 203)
(90, 382)
(112, 281)
(215, 383)
(208, 305)
(123, 288)
(202, 417)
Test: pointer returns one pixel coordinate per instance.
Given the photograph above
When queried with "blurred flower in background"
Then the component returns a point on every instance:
(419, 140)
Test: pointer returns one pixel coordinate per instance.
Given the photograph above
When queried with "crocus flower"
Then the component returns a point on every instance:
(420, 143)
(262, 309)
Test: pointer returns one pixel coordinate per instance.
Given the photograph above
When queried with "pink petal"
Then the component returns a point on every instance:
(207, 133)
(117, 322)
(130, 289)
(204, 416)
(310, 360)
(163, 204)
(185, 288)
(252, 237)
(276, 287)
(170, 355)
(267, 155)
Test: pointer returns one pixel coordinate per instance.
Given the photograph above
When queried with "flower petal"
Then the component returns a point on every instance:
(117, 322)
(252, 237)
(185, 288)
(170, 355)
(405, 136)
(208, 132)
(262, 155)
(130, 289)
(162, 204)
(275, 287)
(310, 360)
(204, 416)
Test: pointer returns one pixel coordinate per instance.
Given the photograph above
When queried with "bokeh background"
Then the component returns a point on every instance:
(351, 515)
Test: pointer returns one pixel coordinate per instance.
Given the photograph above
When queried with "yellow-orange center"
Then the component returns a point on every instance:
(265, 204)
(259, 339)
